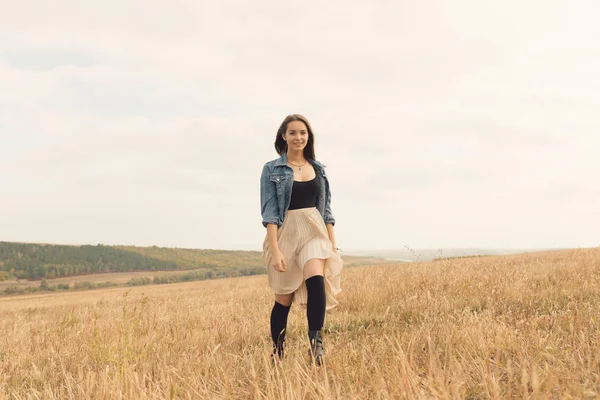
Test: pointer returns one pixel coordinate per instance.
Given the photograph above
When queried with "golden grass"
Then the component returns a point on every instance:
(524, 326)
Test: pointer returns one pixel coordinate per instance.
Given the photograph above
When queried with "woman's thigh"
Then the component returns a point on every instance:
(314, 266)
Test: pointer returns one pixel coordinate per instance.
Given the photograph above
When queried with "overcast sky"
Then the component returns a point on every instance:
(442, 123)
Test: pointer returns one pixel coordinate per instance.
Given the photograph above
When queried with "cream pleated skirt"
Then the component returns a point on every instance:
(303, 236)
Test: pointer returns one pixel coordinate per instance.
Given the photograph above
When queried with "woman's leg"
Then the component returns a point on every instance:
(315, 304)
(284, 299)
(314, 266)
(279, 316)
(315, 287)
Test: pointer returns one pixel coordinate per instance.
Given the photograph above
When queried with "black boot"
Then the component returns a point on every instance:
(316, 347)
(279, 346)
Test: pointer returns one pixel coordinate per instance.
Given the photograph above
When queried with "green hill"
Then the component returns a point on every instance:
(35, 261)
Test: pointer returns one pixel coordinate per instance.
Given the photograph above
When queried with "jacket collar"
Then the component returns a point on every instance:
(283, 161)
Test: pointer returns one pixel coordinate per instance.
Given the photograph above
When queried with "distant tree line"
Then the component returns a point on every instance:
(195, 276)
(37, 261)
(46, 287)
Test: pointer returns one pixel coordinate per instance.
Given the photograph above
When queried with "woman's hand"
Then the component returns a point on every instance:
(279, 262)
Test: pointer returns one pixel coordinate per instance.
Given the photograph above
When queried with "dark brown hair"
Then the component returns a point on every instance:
(281, 145)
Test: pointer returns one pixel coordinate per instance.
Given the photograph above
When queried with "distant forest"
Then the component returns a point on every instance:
(37, 261)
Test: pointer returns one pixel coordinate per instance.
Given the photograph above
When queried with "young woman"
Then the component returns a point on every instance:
(300, 253)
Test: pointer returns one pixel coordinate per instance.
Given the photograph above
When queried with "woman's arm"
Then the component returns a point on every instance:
(327, 215)
(332, 237)
(272, 237)
(269, 209)
(329, 219)
(279, 263)
(268, 198)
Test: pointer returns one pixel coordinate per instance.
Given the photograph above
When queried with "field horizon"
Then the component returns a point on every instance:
(515, 326)
(408, 254)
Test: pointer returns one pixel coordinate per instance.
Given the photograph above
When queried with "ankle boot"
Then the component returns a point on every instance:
(279, 348)
(316, 347)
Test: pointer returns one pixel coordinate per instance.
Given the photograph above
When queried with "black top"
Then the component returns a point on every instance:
(304, 194)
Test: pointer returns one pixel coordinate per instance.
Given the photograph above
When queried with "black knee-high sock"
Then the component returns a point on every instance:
(279, 316)
(315, 304)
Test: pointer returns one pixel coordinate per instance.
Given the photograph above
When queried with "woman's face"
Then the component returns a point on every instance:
(296, 135)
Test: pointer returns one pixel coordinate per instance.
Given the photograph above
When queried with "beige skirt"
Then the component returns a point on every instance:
(303, 236)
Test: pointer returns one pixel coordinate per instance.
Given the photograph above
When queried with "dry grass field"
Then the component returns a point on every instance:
(525, 326)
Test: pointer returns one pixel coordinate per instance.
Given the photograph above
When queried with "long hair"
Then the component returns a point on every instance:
(281, 145)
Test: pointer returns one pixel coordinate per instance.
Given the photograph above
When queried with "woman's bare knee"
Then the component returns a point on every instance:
(284, 299)
(314, 267)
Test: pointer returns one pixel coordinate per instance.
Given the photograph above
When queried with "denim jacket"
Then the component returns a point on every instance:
(276, 184)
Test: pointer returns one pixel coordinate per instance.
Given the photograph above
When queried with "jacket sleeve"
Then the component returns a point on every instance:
(328, 217)
(268, 199)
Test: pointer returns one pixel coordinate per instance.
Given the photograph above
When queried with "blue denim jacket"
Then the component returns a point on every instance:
(276, 184)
